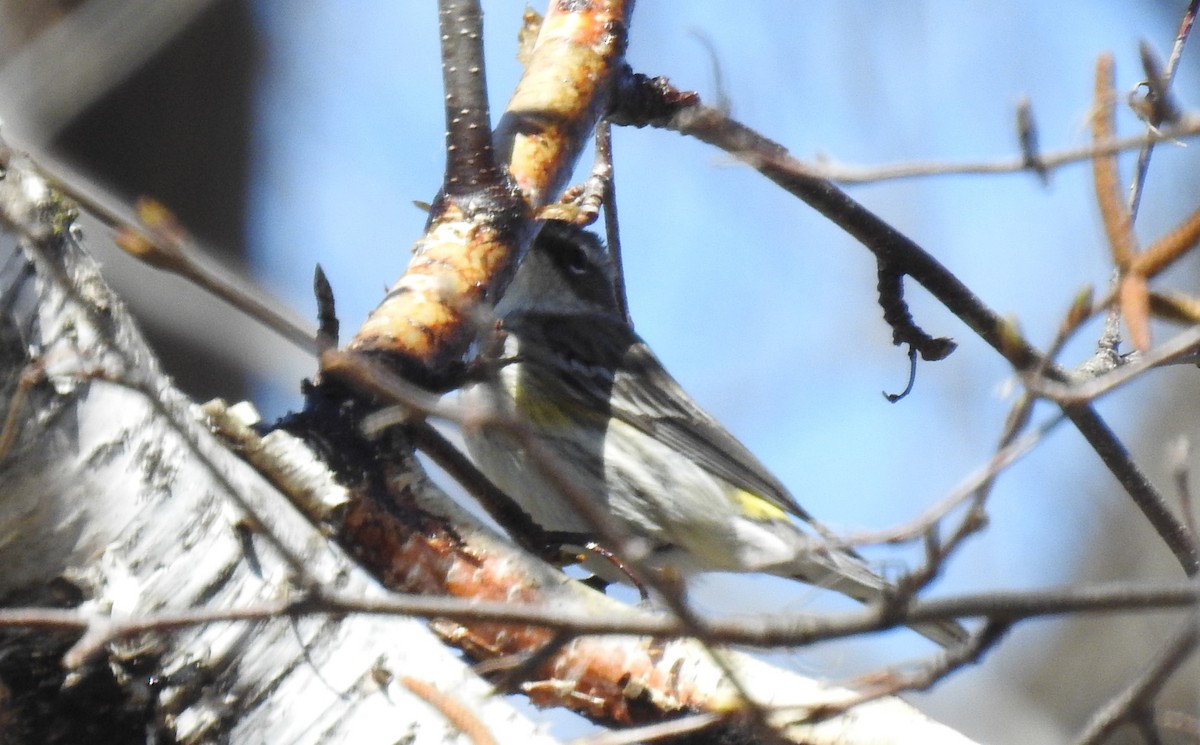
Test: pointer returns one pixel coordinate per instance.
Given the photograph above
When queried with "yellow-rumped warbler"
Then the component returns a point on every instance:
(626, 434)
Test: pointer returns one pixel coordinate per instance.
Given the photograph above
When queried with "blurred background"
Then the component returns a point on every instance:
(289, 133)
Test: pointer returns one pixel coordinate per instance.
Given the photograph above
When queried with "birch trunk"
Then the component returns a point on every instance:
(114, 493)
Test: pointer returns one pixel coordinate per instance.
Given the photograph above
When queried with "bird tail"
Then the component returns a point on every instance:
(846, 573)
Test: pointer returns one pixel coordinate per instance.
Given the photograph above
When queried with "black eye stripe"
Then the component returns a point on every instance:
(579, 258)
(570, 249)
(576, 259)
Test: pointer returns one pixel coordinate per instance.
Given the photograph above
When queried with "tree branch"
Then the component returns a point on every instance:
(470, 162)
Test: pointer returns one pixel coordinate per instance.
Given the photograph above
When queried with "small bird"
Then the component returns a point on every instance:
(627, 435)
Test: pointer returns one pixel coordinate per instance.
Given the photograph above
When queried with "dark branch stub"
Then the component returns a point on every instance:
(1158, 105)
(328, 327)
(904, 329)
(641, 100)
(1027, 136)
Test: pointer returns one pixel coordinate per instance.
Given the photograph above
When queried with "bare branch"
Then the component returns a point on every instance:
(1049, 162)
(889, 246)
(150, 233)
(1115, 455)
(778, 630)
(1011, 450)
(895, 681)
(650, 733)
(1089, 388)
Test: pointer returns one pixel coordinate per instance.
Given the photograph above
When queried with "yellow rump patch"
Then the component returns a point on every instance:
(757, 508)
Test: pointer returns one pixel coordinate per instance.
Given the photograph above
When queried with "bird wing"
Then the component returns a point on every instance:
(643, 394)
(646, 396)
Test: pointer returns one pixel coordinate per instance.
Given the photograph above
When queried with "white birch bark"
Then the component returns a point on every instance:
(115, 482)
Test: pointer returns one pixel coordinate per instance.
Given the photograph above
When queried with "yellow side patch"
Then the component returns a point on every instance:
(755, 507)
(540, 410)
(545, 408)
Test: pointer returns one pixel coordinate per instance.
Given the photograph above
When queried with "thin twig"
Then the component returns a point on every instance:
(502, 508)
(1133, 298)
(1180, 540)
(1143, 162)
(650, 733)
(1188, 126)
(34, 373)
(1012, 444)
(1138, 697)
(889, 245)
(612, 226)
(896, 681)
(374, 378)
(510, 671)
(1185, 723)
(1088, 389)
(1009, 453)
(978, 487)
(777, 630)
(178, 253)
(1181, 37)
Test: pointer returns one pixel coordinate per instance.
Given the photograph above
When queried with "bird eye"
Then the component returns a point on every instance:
(576, 260)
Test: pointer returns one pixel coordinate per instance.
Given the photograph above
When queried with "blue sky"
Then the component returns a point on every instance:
(764, 311)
